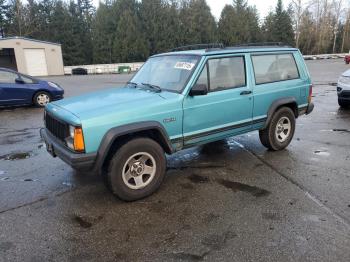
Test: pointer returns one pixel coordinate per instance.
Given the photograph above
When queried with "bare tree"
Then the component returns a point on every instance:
(299, 7)
(338, 8)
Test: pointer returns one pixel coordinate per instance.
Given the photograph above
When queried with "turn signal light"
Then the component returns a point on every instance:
(78, 139)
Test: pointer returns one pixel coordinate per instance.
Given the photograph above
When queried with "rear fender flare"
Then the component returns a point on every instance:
(278, 103)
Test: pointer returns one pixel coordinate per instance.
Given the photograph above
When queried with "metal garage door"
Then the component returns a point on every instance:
(36, 62)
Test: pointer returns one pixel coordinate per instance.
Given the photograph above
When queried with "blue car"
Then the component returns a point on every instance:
(19, 89)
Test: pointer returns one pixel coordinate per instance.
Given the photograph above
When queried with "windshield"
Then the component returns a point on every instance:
(170, 72)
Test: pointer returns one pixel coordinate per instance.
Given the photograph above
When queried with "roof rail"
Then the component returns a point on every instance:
(198, 46)
(280, 44)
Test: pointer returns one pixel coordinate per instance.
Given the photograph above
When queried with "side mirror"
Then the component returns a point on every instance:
(19, 81)
(199, 90)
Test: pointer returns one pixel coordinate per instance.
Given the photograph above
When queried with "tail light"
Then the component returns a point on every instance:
(310, 94)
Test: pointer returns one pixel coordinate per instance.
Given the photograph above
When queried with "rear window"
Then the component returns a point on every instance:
(274, 68)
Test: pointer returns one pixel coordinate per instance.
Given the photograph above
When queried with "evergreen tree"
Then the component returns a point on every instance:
(85, 14)
(160, 22)
(62, 31)
(4, 8)
(16, 18)
(278, 26)
(73, 52)
(103, 31)
(129, 41)
(239, 24)
(197, 23)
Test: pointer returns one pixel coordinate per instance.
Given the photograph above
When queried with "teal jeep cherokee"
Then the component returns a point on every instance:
(188, 97)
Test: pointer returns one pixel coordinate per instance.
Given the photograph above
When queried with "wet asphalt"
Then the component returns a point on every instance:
(227, 201)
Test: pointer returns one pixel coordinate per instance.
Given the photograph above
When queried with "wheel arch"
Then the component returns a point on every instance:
(282, 102)
(117, 136)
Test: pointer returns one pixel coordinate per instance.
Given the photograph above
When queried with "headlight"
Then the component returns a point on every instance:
(54, 85)
(75, 140)
(344, 80)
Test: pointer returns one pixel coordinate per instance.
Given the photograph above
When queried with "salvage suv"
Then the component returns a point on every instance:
(188, 97)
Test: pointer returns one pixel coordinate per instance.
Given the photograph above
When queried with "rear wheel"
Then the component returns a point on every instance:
(41, 99)
(137, 169)
(280, 131)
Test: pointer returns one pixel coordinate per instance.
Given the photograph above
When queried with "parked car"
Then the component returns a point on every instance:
(347, 59)
(79, 71)
(175, 101)
(19, 89)
(343, 89)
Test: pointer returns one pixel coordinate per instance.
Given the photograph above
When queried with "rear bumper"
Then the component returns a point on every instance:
(307, 109)
(310, 108)
(76, 160)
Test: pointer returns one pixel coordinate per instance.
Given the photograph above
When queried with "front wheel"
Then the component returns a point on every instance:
(41, 99)
(137, 169)
(280, 131)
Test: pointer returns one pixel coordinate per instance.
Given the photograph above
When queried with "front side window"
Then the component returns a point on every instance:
(167, 72)
(7, 77)
(226, 73)
(274, 68)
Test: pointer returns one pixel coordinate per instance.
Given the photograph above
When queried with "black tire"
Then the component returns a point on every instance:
(37, 95)
(347, 62)
(119, 160)
(342, 103)
(268, 136)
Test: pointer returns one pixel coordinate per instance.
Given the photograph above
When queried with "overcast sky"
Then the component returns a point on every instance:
(216, 6)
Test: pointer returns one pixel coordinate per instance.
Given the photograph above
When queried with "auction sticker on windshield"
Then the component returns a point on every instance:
(184, 65)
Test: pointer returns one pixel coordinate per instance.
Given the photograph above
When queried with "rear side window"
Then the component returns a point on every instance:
(226, 73)
(274, 68)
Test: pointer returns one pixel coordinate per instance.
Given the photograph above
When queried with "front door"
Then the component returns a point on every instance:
(12, 92)
(227, 107)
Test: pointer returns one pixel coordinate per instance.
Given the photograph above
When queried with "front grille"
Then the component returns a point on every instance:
(58, 128)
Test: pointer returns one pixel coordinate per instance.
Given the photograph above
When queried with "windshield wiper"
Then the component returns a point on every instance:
(155, 87)
(132, 83)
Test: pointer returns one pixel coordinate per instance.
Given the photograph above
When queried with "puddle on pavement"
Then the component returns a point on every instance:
(86, 222)
(15, 156)
(29, 180)
(236, 186)
(198, 179)
(68, 184)
(271, 216)
(321, 153)
(341, 130)
(187, 186)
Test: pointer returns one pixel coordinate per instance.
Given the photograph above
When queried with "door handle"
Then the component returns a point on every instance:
(244, 93)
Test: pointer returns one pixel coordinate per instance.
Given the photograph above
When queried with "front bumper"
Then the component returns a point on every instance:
(344, 95)
(80, 161)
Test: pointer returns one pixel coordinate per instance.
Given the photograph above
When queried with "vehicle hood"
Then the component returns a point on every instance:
(346, 73)
(112, 101)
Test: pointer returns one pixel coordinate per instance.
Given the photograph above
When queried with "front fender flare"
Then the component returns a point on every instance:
(114, 133)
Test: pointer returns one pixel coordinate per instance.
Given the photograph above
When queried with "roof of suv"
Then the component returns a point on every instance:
(230, 50)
